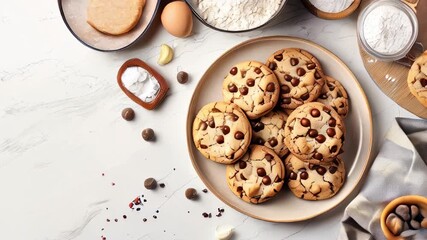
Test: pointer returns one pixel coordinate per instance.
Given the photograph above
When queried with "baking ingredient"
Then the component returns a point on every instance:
(387, 29)
(150, 183)
(182, 77)
(128, 114)
(237, 14)
(224, 232)
(177, 19)
(141, 83)
(191, 193)
(166, 54)
(331, 6)
(148, 134)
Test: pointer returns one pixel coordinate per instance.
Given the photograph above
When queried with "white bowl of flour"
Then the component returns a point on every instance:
(236, 15)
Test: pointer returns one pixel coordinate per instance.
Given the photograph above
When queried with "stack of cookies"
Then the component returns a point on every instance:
(278, 122)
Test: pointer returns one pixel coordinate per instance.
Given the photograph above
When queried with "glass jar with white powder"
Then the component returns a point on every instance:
(387, 29)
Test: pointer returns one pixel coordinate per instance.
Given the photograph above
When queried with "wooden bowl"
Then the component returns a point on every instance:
(164, 87)
(331, 16)
(420, 201)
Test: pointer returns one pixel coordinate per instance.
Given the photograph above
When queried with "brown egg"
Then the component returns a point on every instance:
(177, 19)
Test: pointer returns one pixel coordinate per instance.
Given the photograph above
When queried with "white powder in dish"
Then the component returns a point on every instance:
(387, 29)
(237, 14)
(141, 83)
(331, 6)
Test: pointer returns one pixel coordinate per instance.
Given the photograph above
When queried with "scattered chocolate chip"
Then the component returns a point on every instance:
(332, 122)
(305, 96)
(128, 114)
(286, 89)
(288, 77)
(108, 220)
(233, 71)
(154, 216)
(268, 157)
(320, 138)
(330, 132)
(321, 170)
(278, 57)
(295, 82)
(312, 133)
(113, 184)
(162, 185)
(182, 77)
(293, 176)
(304, 175)
(210, 215)
(222, 210)
(315, 112)
(244, 91)
(318, 156)
(242, 164)
(219, 215)
(157, 211)
(250, 82)
(138, 209)
(300, 72)
(423, 82)
(273, 142)
(148, 134)
(294, 61)
(205, 215)
(205, 190)
(239, 135)
(145, 200)
(272, 65)
(270, 87)
(305, 122)
(311, 66)
(124, 216)
(225, 129)
(220, 139)
(257, 70)
(261, 172)
(150, 183)
(144, 219)
(116, 220)
(332, 169)
(191, 193)
(266, 180)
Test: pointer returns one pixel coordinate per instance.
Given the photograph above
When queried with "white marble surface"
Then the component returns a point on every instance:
(61, 129)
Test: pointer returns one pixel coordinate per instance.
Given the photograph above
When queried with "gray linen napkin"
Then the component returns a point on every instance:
(399, 169)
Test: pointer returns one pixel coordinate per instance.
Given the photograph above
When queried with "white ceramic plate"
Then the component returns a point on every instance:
(285, 207)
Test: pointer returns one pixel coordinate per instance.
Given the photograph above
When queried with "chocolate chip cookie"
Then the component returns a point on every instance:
(334, 95)
(300, 76)
(258, 176)
(253, 87)
(269, 131)
(417, 79)
(314, 182)
(221, 132)
(314, 132)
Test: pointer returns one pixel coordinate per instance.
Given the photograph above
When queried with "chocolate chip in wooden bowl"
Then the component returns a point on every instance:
(128, 114)
(191, 194)
(148, 134)
(182, 77)
(150, 183)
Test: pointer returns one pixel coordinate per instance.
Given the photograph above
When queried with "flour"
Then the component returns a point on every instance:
(331, 6)
(237, 14)
(387, 29)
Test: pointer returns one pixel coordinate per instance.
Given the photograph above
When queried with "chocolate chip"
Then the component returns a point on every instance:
(333, 169)
(232, 87)
(239, 135)
(330, 86)
(205, 190)
(423, 82)
(258, 126)
(312, 133)
(205, 215)
(295, 82)
(261, 172)
(243, 177)
(330, 132)
(305, 122)
(317, 155)
(233, 116)
(259, 141)
(278, 57)
(332, 122)
(321, 170)
(273, 142)
(321, 138)
(220, 139)
(304, 175)
(162, 185)
(182, 77)
(286, 89)
(270, 87)
(244, 90)
(242, 164)
(239, 189)
(292, 176)
(203, 146)
(233, 71)
(305, 96)
(315, 112)
(191, 193)
(311, 66)
(211, 123)
(300, 72)
(266, 180)
(288, 77)
(334, 148)
(317, 75)
(243, 73)
(128, 114)
(203, 125)
(268, 157)
(150, 183)
(286, 100)
(257, 70)
(294, 61)
(250, 82)
(272, 65)
(148, 134)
